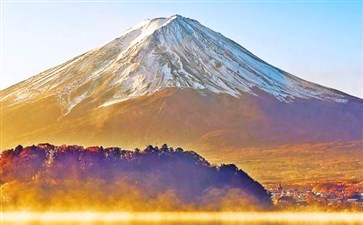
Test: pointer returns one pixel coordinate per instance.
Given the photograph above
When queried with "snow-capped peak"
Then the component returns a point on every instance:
(166, 52)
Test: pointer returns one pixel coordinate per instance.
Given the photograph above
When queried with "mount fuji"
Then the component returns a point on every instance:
(173, 80)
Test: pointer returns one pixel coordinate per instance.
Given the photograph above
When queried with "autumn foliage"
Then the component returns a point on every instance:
(48, 177)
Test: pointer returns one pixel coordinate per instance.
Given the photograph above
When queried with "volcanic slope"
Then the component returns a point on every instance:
(173, 80)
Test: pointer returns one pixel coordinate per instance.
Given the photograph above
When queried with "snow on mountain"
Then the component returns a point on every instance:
(161, 53)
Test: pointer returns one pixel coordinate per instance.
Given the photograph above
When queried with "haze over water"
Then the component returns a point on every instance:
(184, 218)
(190, 223)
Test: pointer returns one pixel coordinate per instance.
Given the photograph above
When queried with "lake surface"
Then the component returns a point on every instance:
(185, 223)
(247, 223)
(184, 218)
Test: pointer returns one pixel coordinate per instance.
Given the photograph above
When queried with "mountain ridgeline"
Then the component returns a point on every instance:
(173, 80)
(48, 177)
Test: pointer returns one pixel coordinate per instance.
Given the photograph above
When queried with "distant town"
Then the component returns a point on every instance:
(338, 198)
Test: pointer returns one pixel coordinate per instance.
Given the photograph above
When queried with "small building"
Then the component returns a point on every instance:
(356, 197)
(286, 201)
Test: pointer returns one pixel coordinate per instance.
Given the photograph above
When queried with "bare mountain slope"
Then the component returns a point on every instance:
(173, 80)
(161, 53)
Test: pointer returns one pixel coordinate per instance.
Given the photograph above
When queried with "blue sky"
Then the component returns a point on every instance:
(317, 41)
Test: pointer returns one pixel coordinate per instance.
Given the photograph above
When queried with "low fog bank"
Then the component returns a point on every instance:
(68, 178)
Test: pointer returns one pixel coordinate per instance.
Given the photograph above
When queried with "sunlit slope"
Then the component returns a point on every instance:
(162, 53)
(292, 142)
(186, 118)
(173, 80)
